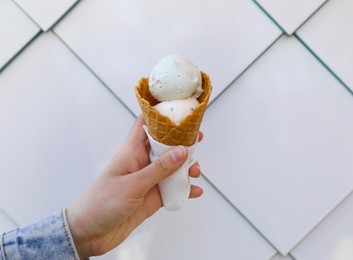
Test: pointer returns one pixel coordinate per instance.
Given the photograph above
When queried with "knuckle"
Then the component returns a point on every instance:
(161, 166)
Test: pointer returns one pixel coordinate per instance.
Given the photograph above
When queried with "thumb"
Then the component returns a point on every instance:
(161, 168)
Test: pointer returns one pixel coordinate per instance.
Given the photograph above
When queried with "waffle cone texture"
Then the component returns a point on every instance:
(164, 130)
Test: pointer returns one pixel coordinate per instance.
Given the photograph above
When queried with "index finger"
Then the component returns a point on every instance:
(137, 133)
(200, 136)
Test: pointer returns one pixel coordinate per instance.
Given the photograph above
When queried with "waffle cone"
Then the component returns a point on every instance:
(164, 130)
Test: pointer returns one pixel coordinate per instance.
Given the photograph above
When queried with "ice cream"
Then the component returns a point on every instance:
(173, 101)
(175, 77)
(178, 109)
(176, 82)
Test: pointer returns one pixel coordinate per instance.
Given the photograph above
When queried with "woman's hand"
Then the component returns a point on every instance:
(124, 195)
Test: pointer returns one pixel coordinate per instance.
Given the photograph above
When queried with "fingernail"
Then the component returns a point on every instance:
(178, 153)
(198, 166)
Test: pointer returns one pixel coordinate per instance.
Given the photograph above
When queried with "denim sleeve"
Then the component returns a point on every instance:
(47, 238)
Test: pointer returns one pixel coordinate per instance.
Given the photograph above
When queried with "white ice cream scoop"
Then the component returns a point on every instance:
(175, 77)
(177, 110)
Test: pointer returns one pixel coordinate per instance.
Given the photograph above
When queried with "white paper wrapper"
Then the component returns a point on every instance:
(175, 189)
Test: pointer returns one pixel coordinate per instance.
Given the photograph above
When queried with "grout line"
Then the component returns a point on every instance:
(310, 16)
(55, 23)
(272, 257)
(26, 14)
(241, 73)
(351, 92)
(323, 218)
(63, 15)
(21, 50)
(299, 26)
(208, 180)
(8, 216)
(333, 74)
(270, 17)
(95, 75)
(279, 253)
(324, 64)
(239, 212)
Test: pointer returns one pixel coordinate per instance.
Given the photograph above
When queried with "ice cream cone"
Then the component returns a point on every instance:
(163, 134)
(161, 128)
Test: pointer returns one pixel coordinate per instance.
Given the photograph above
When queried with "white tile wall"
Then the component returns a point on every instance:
(16, 30)
(332, 239)
(122, 40)
(329, 35)
(201, 225)
(279, 142)
(6, 223)
(46, 13)
(290, 14)
(59, 127)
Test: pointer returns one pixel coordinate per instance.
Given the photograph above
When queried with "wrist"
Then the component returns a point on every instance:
(78, 234)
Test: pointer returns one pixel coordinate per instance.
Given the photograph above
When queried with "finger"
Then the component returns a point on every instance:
(159, 169)
(195, 192)
(195, 170)
(201, 135)
(148, 146)
(137, 134)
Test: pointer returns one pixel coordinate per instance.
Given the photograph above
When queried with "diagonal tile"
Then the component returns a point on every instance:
(290, 14)
(16, 30)
(207, 228)
(6, 223)
(59, 126)
(332, 239)
(46, 13)
(122, 40)
(329, 35)
(281, 143)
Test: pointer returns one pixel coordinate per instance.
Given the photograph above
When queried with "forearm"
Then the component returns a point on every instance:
(47, 238)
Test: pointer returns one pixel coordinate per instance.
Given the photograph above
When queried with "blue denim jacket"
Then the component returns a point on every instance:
(47, 238)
